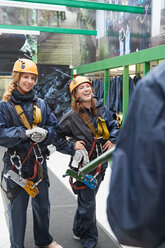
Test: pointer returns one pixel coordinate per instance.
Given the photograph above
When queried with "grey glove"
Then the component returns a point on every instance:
(80, 155)
(37, 134)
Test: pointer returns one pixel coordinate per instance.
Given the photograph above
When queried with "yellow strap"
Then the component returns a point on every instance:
(37, 117)
(102, 129)
(20, 112)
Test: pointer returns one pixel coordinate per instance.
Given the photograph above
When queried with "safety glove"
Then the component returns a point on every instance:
(37, 134)
(81, 156)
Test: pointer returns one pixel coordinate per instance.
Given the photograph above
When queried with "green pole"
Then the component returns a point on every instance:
(71, 74)
(146, 68)
(50, 29)
(71, 79)
(90, 5)
(125, 91)
(138, 69)
(106, 84)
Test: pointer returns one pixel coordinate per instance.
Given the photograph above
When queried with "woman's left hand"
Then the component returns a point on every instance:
(108, 145)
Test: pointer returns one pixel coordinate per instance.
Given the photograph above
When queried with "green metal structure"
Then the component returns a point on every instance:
(141, 57)
(90, 5)
(50, 29)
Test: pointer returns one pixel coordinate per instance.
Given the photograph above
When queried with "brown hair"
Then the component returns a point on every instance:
(12, 86)
(77, 105)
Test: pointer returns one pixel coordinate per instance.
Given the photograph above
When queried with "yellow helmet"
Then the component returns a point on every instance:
(77, 81)
(25, 65)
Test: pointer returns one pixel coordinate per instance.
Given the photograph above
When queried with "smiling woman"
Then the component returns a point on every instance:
(26, 83)
(84, 91)
(24, 74)
(85, 144)
(27, 127)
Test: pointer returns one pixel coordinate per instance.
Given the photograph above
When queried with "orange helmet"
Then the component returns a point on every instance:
(77, 81)
(25, 65)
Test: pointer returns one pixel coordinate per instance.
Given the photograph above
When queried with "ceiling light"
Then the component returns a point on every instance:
(32, 5)
(17, 31)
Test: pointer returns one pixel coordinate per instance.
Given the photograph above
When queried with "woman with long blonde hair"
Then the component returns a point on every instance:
(27, 127)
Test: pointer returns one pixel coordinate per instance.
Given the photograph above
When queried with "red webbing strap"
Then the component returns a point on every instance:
(37, 163)
(32, 145)
(93, 146)
(74, 187)
(30, 150)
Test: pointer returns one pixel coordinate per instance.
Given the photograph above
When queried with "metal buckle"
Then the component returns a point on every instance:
(40, 158)
(15, 156)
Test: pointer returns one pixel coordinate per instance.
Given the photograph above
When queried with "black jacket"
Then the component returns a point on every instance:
(73, 126)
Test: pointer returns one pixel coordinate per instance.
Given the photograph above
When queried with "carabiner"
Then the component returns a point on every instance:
(40, 158)
(15, 156)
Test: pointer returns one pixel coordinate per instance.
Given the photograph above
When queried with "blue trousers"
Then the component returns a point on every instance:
(17, 210)
(84, 225)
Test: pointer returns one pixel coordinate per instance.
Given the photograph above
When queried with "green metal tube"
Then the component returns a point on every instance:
(150, 54)
(146, 68)
(50, 29)
(106, 84)
(138, 69)
(95, 163)
(90, 5)
(125, 91)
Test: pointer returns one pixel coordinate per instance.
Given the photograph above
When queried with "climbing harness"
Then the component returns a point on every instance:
(29, 184)
(101, 132)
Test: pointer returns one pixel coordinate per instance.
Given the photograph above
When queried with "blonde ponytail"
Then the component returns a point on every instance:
(12, 86)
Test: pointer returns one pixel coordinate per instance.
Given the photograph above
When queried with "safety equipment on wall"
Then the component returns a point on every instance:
(77, 81)
(37, 134)
(25, 65)
(80, 156)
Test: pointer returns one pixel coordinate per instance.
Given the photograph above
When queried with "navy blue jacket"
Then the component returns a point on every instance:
(136, 202)
(12, 130)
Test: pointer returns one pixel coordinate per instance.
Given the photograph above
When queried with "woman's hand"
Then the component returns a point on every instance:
(80, 145)
(108, 145)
